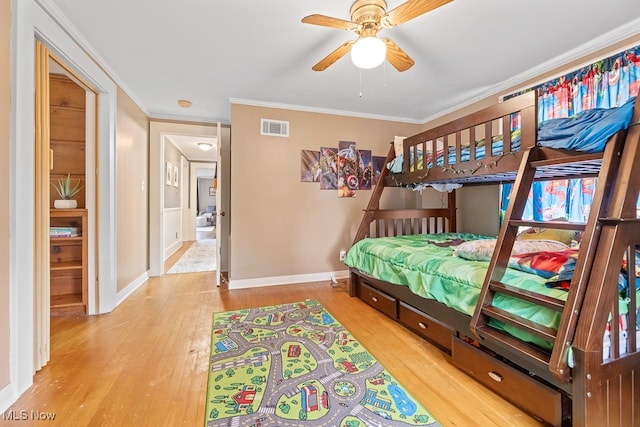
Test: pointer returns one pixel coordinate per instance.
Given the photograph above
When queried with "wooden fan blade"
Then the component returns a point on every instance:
(397, 57)
(409, 10)
(327, 21)
(333, 56)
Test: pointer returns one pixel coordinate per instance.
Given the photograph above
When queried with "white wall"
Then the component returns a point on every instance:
(172, 230)
(5, 134)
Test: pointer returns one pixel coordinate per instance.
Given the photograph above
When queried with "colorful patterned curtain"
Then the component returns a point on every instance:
(604, 84)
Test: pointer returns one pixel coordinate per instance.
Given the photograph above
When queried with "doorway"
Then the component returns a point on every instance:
(71, 148)
(203, 197)
(29, 239)
(160, 134)
(67, 126)
(64, 151)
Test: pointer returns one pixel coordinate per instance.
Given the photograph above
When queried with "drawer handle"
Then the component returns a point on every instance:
(495, 376)
(374, 299)
(422, 325)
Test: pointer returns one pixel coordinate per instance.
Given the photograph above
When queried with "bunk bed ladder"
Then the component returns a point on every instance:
(372, 207)
(533, 160)
(374, 201)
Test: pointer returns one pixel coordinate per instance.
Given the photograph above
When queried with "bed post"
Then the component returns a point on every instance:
(605, 393)
(451, 204)
(588, 395)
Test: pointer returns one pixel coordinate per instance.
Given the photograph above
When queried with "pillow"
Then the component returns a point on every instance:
(537, 233)
(562, 280)
(556, 265)
(482, 250)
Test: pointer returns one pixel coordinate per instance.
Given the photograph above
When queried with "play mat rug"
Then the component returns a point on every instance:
(295, 365)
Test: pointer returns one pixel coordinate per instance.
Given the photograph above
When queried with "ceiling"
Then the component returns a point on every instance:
(188, 145)
(215, 53)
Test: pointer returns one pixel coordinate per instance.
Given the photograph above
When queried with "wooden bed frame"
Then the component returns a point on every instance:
(590, 392)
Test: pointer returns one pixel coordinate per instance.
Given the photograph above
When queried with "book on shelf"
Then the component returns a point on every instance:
(64, 235)
(64, 232)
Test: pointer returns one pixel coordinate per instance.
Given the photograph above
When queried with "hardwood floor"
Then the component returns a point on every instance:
(145, 363)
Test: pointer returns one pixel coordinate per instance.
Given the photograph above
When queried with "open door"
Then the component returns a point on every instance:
(65, 138)
(219, 212)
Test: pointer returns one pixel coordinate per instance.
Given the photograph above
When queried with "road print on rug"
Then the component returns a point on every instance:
(295, 365)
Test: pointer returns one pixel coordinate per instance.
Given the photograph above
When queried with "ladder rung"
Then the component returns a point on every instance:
(552, 157)
(556, 225)
(618, 220)
(527, 325)
(532, 297)
(509, 341)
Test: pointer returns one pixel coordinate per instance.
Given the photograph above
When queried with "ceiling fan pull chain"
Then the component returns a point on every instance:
(384, 74)
(360, 91)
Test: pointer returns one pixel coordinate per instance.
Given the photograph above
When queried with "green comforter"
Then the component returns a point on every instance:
(426, 265)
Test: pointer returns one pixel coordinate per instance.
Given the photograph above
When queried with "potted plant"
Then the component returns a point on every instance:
(66, 191)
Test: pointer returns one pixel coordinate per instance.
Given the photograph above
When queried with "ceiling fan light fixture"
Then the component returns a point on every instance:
(368, 52)
(205, 146)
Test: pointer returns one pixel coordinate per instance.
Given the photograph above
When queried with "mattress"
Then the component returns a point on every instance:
(426, 265)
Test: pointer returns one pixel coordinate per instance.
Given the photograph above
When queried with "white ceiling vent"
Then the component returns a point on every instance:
(274, 127)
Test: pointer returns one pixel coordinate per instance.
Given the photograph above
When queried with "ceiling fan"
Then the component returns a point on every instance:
(368, 17)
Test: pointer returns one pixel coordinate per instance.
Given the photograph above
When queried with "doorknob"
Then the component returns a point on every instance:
(221, 213)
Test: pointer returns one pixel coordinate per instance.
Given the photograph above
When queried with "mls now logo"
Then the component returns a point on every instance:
(15, 415)
(25, 415)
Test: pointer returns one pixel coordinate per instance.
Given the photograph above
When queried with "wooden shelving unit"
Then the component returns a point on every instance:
(68, 265)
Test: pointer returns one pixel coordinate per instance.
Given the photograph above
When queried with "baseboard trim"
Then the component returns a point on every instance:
(287, 280)
(172, 249)
(131, 287)
(8, 397)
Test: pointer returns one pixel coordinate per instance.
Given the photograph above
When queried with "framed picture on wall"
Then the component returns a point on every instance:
(169, 173)
(175, 175)
(212, 191)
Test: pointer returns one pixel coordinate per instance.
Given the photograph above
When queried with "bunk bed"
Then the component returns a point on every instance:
(578, 349)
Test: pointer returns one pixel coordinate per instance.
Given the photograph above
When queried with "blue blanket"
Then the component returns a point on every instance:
(587, 131)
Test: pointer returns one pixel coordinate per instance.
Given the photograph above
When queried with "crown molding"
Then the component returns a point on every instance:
(308, 109)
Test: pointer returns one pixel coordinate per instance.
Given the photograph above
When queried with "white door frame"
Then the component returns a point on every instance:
(220, 207)
(157, 132)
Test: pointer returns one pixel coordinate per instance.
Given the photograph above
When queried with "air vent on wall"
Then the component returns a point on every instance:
(274, 127)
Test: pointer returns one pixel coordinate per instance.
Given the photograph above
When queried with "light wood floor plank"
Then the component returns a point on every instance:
(145, 364)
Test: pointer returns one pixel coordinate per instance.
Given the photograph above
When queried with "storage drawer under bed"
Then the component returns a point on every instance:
(517, 387)
(379, 300)
(425, 326)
